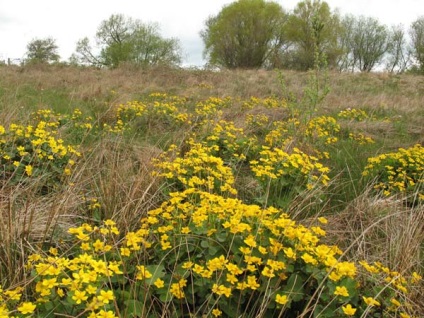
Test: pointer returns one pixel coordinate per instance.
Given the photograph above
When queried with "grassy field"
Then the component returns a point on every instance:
(170, 193)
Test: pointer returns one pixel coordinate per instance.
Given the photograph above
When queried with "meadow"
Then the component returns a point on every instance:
(166, 192)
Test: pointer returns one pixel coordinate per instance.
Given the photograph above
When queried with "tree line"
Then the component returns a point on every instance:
(256, 34)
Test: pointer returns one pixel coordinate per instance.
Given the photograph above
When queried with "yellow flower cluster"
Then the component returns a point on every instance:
(212, 107)
(399, 172)
(361, 138)
(298, 167)
(79, 121)
(353, 114)
(82, 278)
(202, 240)
(161, 106)
(198, 169)
(258, 120)
(269, 102)
(228, 141)
(203, 249)
(323, 128)
(32, 150)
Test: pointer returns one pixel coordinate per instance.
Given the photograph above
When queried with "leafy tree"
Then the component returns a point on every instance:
(416, 32)
(367, 41)
(122, 39)
(42, 51)
(245, 34)
(84, 54)
(345, 60)
(398, 51)
(149, 48)
(313, 28)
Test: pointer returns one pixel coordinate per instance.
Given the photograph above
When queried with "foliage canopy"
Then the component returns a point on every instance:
(245, 34)
(42, 51)
(417, 36)
(366, 42)
(122, 39)
(313, 29)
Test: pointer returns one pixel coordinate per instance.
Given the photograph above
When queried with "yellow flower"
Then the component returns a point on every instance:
(105, 296)
(143, 272)
(14, 294)
(250, 241)
(221, 290)
(177, 289)
(185, 230)
(341, 291)
(98, 245)
(85, 246)
(252, 283)
(232, 279)
(268, 272)
(4, 312)
(125, 251)
(28, 170)
(281, 299)
(290, 253)
(165, 245)
(216, 312)
(26, 308)
(395, 302)
(416, 277)
(309, 259)
(105, 314)
(60, 292)
(159, 283)
(187, 265)
(322, 220)
(370, 301)
(217, 263)
(348, 310)
(79, 296)
(91, 289)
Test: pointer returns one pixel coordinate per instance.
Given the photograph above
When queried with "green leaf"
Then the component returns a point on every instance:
(221, 236)
(165, 297)
(134, 308)
(294, 287)
(212, 250)
(157, 271)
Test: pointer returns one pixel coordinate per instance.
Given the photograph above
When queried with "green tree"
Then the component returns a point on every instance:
(398, 52)
(122, 39)
(42, 51)
(313, 29)
(367, 41)
(244, 34)
(345, 59)
(416, 33)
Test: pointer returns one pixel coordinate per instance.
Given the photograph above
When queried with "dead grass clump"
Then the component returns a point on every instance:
(118, 174)
(384, 230)
(29, 220)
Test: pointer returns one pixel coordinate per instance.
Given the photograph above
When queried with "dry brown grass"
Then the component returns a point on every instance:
(28, 221)
(381, 94)
(383, 230)
(401, 92)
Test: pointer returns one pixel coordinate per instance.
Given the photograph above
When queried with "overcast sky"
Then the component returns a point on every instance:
(68, 21)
